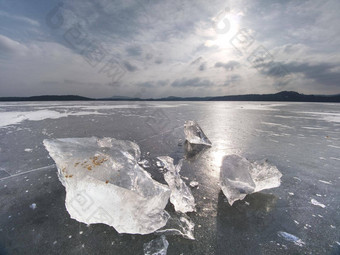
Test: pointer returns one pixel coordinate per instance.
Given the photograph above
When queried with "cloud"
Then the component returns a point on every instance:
(322, 73)
(194, 82)
(229, 66)
(134, 50)
(130, 67)
(19, 18)
(9, 46)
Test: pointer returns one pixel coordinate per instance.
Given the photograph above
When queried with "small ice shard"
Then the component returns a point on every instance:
(326, 182)
(28, 150)
(179, 225)
(158, 246)
(193, 184)
(314, 202)
(194, 134)
(105, 184)
(144, 163)
(159, 164)
(33, 206)
(291, 238)
(181, 196)
(240, 177)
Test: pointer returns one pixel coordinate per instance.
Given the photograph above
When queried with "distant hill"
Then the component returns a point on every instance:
(286, 96)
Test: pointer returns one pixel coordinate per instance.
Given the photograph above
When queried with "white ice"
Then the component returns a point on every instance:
(158, 246)
(181, 196)
(315, 202)
(105, 184)
(11, 118)
(240, 177)
(194, 134)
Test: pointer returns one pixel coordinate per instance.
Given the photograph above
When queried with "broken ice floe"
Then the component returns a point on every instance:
(194, 134)
(240, 177)
(158, 246)
(291, 238)
(105, 184)
(181, 196)
(179, 225)
(315, 202)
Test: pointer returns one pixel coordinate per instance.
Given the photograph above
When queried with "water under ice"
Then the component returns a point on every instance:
(240, 177)
(181, 196)
(194, 134)
(105, 184)
(291, 238)
(158, 246)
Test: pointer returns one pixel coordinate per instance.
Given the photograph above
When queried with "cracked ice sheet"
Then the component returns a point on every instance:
(105, 184)
(240, 177)
(181, 196)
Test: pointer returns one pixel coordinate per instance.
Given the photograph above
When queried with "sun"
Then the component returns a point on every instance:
(226, 25)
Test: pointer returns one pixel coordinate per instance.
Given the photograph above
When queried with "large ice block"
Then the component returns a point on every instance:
(181, 196)
(194, 134)
(105, 184)
(240, 177)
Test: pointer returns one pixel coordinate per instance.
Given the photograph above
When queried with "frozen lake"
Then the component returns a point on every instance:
(301, 139)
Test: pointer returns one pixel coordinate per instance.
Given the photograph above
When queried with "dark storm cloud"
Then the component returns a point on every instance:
(195, 82)
(229, 66)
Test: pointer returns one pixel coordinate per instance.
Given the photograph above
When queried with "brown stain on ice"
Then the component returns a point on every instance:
(93, 162)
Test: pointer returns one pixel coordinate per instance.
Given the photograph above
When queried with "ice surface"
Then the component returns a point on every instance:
(240, 177)
(179, 225)
(315, 202)
(158, 246)
(291, 238)
(194, 134)
(181, 196)
(105, 184)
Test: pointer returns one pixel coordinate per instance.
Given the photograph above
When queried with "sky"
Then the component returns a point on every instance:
(158, 48)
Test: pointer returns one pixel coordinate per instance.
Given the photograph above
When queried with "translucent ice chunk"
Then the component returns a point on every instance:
(179, 225)
(239, 177)
(158, 246)
(181, 196)
(194, 134)
(105, 184)
(291, 238)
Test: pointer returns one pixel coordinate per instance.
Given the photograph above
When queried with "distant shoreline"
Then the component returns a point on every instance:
(284, 96)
